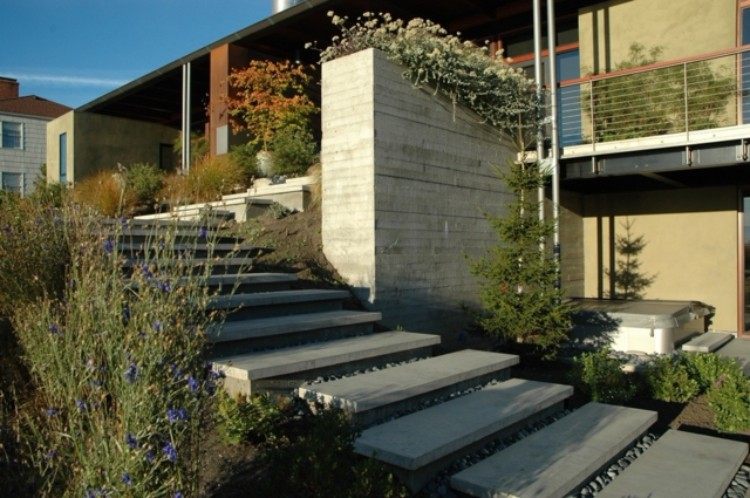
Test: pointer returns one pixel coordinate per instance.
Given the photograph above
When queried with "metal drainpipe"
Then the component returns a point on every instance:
(186, 110)
(555, 139)
(539, 84)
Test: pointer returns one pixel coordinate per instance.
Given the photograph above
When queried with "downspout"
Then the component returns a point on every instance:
(555, 153)
(539, 84)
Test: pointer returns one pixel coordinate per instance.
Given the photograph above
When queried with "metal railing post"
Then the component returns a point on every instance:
(593, 117)
(685, 95)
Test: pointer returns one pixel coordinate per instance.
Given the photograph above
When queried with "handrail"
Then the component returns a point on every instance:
(656, 65)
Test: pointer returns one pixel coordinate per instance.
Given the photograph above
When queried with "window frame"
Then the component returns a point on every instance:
(21, 138)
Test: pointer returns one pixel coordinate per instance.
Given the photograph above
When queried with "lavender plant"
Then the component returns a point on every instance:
(123, 393)
(502, 95)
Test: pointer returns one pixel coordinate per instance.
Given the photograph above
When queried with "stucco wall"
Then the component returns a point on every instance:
(690, 248)
(405, 187)
(100, 142)
(29, 159)
(682, 29)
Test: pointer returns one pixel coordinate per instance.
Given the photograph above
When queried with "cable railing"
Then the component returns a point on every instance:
(700, 93)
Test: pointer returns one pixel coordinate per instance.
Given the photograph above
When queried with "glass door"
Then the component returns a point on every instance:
(746, 263)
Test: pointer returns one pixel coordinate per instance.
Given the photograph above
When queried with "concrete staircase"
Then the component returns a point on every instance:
(420, 414)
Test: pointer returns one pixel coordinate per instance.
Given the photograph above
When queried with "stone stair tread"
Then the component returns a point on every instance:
(216, 261)
(708, 342)
(555, 460)
(200, 245)
(249, 278)
(361, 393)
(680, 464)
(276, 298)
(413, 441)
(266, 327)
(274, 363)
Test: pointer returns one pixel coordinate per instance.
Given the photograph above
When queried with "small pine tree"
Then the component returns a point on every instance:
(629, 281)
(518, 290)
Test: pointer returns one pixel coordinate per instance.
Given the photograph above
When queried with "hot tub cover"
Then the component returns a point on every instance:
(649, 314)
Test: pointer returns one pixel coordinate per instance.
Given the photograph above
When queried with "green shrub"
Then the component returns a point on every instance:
(245, 156)
(240, 420)
(294, 151)
(669, 379)
(729, 398)
(122, 391)
(143, 182)
(706, 369)
(600, 377)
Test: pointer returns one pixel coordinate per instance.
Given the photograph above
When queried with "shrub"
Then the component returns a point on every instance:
(729, 398)
(246, 157)
(239, 420)
(669, 379)
(122, 389)
(199, 147)
(294, 151)
(206, 181)
(143, 182)
(103, 191)
(706, 369)
(600, 377)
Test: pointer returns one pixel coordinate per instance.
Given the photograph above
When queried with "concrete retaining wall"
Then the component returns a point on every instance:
(406, 181)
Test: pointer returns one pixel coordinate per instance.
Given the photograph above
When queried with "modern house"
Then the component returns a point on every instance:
(23, 147)
(652, 113)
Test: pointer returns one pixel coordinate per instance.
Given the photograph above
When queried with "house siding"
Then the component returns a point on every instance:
(28, 160)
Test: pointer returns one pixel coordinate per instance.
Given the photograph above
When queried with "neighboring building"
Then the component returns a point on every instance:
(23, 148)
(662, 148)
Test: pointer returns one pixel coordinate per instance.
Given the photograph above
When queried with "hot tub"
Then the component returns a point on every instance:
(644, 326)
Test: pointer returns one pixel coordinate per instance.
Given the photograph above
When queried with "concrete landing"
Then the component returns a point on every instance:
(678, 465)
(375, 394)
(708, 342)
(431, 439)
(739, 349)
(557, 459)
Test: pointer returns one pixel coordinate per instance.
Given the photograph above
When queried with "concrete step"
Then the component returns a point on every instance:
(278, 303)
(248, 335)
(288, 368)
(558, 459)
(422, 444)
(219, 266)
(250, 282)
(180, 234)
(149, 222)
(198, 249)
(708, 342)
(739, 350)
(680, 464)
(373, 396)
(194, 213)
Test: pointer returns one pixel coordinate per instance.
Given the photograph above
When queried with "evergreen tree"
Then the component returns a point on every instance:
(629, 281)
(521, 299)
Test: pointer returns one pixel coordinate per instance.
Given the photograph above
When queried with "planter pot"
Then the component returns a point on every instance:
(265, 163)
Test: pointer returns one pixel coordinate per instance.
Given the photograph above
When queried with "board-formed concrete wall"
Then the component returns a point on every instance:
(407, 180)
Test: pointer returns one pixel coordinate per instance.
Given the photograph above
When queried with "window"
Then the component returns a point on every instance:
(63, 159)
(12, 182)
(745, 61)
(12, 136)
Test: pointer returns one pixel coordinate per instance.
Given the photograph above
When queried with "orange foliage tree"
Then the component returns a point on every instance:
(267, 96)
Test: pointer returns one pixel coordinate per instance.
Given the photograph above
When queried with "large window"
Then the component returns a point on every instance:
(63, 159)
(12, 135)
(12, 182)
(744, 39)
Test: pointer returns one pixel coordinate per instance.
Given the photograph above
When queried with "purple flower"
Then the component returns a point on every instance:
(126, 479)
(193, 384)
(165, 287)
(170, 452)
(50, 454)
(202, 232)
(81, 405)
(146, 271)
(150, 456)
(126, 314)
(176, 371)
(124, 221)
(156, 326)
(131, 373)
(54, 329)
(177, 494)
(131, 441)
(108, 246)
(176, 414)
(52, 412)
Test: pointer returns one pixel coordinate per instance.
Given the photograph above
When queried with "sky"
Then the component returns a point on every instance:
(73, 51)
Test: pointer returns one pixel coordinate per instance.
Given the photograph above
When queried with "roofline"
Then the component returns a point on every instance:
(32, 116)
(258, 27)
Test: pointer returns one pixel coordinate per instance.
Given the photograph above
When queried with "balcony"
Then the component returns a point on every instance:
(689, 102)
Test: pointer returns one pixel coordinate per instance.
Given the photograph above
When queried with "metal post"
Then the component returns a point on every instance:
(186, 109)
(685, 95)
(555, 139)
(538, 79)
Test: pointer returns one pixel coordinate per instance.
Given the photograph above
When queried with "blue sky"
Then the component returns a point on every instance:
(73, 51)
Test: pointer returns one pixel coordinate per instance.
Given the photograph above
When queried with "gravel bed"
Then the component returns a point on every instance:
(740, 484)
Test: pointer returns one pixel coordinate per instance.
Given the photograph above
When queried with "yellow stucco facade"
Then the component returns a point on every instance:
(97, 142)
